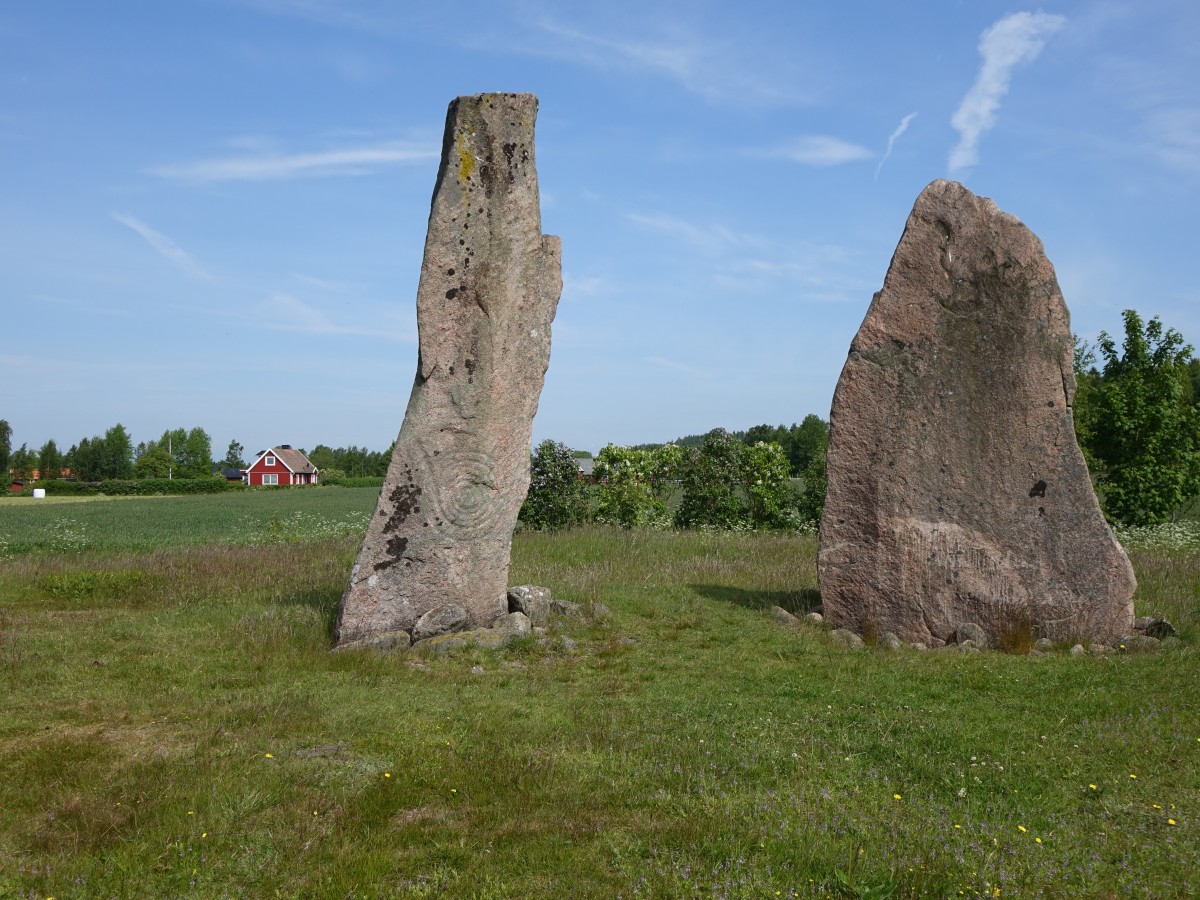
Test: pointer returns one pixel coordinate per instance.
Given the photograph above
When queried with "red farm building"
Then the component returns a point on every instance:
(281, 465)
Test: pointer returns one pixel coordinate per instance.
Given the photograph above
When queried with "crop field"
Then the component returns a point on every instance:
(74, 524)
(173, 725)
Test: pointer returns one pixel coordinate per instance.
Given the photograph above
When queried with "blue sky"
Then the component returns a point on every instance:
(214, 210)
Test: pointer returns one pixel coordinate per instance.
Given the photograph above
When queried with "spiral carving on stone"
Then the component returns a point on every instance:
(465, 492)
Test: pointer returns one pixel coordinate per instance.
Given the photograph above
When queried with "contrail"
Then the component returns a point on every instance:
(900, 129)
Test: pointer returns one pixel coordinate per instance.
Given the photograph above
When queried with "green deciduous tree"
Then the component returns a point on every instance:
(5, 444)
(153, 461)
(557, 496)
(811, 502)
(1142, 432)
(235, 457)
(22, 462)
(115, 459)
(50, 461)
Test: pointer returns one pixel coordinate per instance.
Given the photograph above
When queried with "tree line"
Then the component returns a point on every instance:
(178, 453)
(1136, 412)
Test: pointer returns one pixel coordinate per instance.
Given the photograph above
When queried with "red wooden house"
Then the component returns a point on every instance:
(281, 465)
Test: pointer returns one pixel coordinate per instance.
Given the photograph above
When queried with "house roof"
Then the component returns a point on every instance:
(293, 459)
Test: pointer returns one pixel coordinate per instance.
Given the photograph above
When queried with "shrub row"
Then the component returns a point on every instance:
(721, 484)
(142, 487)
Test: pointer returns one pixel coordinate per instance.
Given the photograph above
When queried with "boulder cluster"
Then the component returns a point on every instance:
(446, 627)
(1149, 633)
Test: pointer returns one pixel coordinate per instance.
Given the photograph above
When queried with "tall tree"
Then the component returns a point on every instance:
(153, 461)
(84, 459)
(50, 461)
(808, 441)
(5, 444)
(235, 456)
(196, 459)
(22, 462)
(117, 456)
(1145, 435)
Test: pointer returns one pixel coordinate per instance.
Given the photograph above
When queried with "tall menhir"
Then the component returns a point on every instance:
(957, 492)
(490, 282)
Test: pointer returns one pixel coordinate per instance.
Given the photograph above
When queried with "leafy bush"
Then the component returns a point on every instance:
(557, 497)
(143, 487)
(811, 500)
(632, 484)
(710, 478)
(1141, 429)
(727, 484)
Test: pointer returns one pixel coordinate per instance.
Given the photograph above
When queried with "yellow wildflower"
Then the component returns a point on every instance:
(1021, 828)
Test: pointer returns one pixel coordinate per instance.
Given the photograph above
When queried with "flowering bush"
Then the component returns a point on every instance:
(632, 484)
(557, 497)
(729, 485)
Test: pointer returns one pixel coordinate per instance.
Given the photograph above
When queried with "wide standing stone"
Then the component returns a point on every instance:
(490, 283)
(957, 491)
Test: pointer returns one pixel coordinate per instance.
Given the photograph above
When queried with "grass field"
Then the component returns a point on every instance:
(172, 725)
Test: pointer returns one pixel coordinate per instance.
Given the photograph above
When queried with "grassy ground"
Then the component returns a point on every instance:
(75, 524)
(171, 724)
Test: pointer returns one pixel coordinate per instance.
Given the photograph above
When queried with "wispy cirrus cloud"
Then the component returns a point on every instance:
(286, 312)
(1009, 42)
(892, 138)
(713, 68)
(274, 166)
(164, 246)
(819, 150)
(1174, 138)
(674, 366)
(705, 237)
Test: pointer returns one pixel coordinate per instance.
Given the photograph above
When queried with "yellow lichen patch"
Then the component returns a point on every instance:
(466, 160)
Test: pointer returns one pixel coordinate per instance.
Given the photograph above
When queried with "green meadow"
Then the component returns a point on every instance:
(173, 725)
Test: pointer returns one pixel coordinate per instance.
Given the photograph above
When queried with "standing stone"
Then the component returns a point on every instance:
(490, 283)
(957, 492)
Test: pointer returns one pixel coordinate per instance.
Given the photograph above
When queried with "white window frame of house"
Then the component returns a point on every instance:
(271, 478)
(268, 461)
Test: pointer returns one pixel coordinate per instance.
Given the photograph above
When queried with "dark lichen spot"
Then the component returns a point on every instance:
(1038, 490)
(450, 271)
(1041, 512)
(452, 293)
(396, 547)
(509, 151)
(405, 502)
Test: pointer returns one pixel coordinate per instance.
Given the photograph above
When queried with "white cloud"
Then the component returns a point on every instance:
(713, 69)
(278, 166)
(1008, 43)
(892, 138)
(164, 246)
(817, 150)
(707, 237)
(286, 312)
(1175, 138)
(674, 366)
